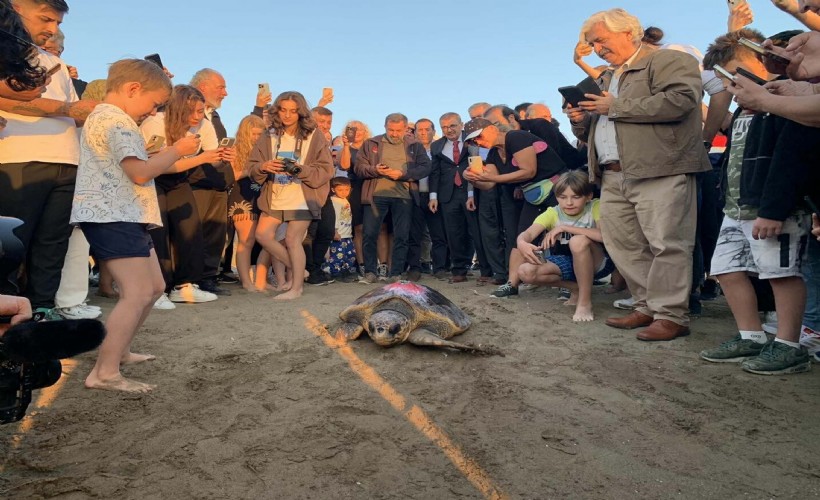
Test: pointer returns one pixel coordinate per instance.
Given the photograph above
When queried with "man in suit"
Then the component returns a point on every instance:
(451, 191)
(425, 221)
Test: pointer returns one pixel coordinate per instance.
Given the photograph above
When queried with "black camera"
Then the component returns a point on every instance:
(30, 351)
(290, 167)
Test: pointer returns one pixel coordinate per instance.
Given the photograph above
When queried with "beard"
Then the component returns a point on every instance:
(394, 140)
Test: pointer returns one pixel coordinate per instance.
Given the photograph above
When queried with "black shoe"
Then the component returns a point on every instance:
(348, 277)
(413, 275)
(427, 267)
(210, 285)
(709, 290)
(227, 279)
(317, 279)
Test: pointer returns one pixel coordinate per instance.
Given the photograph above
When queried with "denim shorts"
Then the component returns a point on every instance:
(117, 240)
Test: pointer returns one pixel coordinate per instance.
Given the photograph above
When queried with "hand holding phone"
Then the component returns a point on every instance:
(350, 134)
(227, 142)
(154, 144)
(751, 76)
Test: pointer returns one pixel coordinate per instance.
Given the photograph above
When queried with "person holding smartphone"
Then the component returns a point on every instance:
(770, 166)
(355, 133)
(292, 162)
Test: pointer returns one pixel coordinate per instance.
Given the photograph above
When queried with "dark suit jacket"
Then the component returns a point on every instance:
(443, 174)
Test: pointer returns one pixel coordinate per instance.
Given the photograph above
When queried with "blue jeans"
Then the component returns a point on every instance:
(401, 212)
(811, 275)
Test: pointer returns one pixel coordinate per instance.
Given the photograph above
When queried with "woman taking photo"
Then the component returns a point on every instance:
(359, 132)
(181, 232)
(294, 166)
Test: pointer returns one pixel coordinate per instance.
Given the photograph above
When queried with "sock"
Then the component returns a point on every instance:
(796, 345)
(757, 336)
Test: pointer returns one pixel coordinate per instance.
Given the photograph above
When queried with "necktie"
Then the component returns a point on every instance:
(221, 133)
(456, 158)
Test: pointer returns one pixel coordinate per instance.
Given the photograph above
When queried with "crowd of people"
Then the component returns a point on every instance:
(672, 199)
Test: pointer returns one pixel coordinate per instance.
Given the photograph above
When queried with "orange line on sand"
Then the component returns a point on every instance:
(45, 399)
(415, 415)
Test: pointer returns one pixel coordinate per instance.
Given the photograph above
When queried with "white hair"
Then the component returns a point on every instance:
(616, 21)
(203, 75)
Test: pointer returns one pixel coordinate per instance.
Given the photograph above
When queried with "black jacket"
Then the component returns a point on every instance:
(781, 165)
(443, 173)
(573, 158)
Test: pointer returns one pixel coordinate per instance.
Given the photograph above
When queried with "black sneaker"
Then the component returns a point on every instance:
(317, 279)
(227, 279)
(427, 267)
(709, 290)
(505, 290)
(210, 285)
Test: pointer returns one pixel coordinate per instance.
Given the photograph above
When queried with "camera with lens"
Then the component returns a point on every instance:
(290, 167)
(30, 351)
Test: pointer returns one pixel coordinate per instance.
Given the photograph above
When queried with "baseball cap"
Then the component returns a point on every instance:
(473, 128)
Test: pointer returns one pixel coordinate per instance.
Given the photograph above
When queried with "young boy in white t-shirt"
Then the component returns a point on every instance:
(574, 244)
(341, 259)
(115, 203)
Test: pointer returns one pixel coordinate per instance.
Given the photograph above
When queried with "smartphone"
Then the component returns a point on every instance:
(350, 133)
(475, 164)
(573, 95)
(154, 58)
(227, 142)
(53, 69)
(264, 87)
(751, 76)
(723, 72)
(154, 144)
(763, 51)
(327, 91)
(812, 206)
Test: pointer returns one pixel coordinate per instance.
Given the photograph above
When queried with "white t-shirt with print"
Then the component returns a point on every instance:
(103, 191)
(344, 217)
(287, 191)
(48, 140)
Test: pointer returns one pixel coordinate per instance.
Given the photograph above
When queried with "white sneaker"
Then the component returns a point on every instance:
(81, 311)
(190, 294)
(163, 303)
(625, 304)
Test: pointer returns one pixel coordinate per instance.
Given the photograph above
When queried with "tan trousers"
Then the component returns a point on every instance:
(649, 227)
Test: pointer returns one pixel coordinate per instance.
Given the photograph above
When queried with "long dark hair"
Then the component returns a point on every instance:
(18, 55)
(306, 122)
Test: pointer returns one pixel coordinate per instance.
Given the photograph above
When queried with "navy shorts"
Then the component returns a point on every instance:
(117, 240)
(564, 263)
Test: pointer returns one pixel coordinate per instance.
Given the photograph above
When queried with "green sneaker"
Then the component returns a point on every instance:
(777, 358)
(733, 351)
(45, 314)
(505, 290)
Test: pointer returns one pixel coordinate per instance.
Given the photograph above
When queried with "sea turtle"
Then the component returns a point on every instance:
(407, 312)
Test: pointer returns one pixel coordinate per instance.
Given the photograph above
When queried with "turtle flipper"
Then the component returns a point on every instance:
(424, 337)
(349, 331)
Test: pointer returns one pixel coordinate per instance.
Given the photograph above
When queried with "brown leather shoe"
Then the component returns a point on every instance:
(632, 320)
(663, 329)
(458, 279)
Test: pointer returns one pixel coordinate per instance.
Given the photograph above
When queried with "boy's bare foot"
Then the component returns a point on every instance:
(573, 300)
(583, 314)
(284, 287)
(133, 358)
(289, 295)
(118, 383)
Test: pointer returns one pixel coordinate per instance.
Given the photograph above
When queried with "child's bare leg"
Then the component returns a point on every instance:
(790, 302)
(141, 283)
(587, 255)
(293, 239)
(106, 288)
(266, 236)
(516, 260)
(245, 230)
(739, 293)
(263, 263)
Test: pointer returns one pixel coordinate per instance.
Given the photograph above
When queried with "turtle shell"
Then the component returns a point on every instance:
(432, 309)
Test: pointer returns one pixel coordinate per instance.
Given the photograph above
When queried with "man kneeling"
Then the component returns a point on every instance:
(573, 239)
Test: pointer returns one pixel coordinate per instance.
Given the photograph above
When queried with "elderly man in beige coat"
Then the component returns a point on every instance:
(644, 136)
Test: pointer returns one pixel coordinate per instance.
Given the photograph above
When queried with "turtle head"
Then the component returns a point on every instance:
(388, 328)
